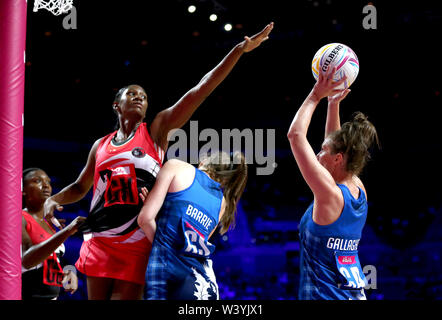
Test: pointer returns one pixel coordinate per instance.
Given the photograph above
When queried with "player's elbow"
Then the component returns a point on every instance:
(26, 264)
(148, 226)
(79, 189)
(29, 259)
(294, 135)
(297, 139)
(142, 221)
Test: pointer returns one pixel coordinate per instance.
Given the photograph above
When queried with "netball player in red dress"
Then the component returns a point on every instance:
(42, 274)
(119, 165)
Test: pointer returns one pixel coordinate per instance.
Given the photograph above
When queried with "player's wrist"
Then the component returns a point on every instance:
(314, 96)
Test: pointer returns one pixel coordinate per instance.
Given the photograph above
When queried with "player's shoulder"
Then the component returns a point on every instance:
(97, 143)
(359, 183)
(103, 139)
(182, 172)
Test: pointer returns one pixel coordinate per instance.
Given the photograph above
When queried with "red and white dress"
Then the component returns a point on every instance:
(115, 247)
(44, 280)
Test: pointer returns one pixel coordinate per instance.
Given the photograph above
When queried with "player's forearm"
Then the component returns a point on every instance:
(214, 77)
(333, 122)
(147, 215)
(301, 121)
(148, 226)
(40, 252)
(70, 194)
(182, 111)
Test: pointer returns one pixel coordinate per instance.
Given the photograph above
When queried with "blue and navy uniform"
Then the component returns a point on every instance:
(329, 262)
(179, 266)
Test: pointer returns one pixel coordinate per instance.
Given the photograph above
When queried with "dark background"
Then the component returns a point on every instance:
(73, 75)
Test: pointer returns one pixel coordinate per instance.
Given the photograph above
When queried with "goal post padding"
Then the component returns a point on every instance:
(12, 82)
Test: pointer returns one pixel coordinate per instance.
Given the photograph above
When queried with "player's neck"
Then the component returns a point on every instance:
(126, 130)
(37, 213)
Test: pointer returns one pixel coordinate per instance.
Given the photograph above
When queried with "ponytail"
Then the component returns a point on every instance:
(231, 172)
(354, 140)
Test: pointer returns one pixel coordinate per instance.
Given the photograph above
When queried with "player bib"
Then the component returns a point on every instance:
(195, 242)
(350, 270)
(52, 271)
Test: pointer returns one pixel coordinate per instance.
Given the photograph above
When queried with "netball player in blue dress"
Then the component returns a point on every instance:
(331, 227)
(190, 203)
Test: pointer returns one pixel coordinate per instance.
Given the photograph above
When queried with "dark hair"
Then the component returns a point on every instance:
(354, 140)
(117, 99)
(119, 94)
(28, 171)
(230, 170)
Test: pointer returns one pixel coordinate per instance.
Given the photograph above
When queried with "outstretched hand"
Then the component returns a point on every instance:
(251, 43)
(75, 224)
(338, 97)
(49, 207)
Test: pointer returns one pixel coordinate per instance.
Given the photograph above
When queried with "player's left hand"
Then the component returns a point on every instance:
(338, 97)
(143, 194)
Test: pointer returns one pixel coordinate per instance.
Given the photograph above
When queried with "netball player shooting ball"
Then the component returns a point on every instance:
(331, 227)
(118, 166)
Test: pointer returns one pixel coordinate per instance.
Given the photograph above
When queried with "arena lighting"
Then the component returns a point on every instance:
(191, 9)
(213, 17)
(228, 27)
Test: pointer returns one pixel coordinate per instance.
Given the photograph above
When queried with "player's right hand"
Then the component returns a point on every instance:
(75, 224)
(325, 86)
(49, 207)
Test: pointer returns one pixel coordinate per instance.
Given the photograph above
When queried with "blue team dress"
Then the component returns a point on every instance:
(329, 262)
(179, 266)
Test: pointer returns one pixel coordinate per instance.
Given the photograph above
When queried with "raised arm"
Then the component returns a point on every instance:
(177, 115)
(76, 190)
(333, 122)
(317, 177)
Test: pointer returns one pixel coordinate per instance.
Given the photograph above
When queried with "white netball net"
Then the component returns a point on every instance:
(56, 7)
